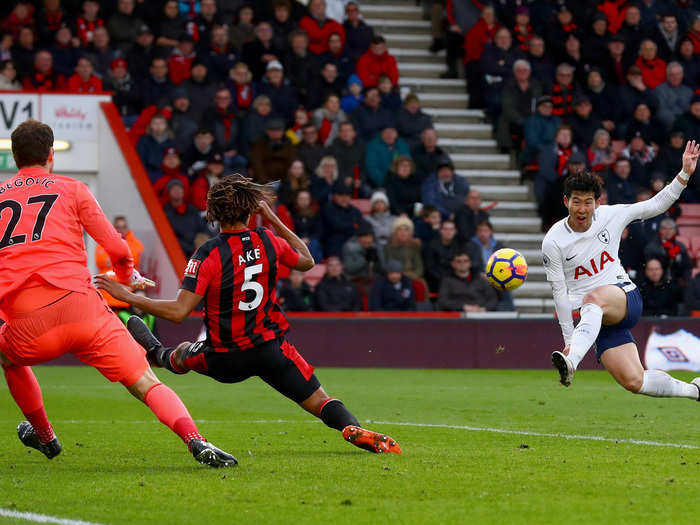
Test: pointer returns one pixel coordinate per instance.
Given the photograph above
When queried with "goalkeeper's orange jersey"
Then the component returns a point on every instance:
(42, 217)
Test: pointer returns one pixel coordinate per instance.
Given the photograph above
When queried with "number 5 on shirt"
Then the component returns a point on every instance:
(249, 284)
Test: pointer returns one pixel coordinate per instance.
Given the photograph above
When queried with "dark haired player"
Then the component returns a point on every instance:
(236, 275)
(50, 305)
(580, 254)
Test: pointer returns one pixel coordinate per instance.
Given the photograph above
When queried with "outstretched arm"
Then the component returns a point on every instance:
(663, 200)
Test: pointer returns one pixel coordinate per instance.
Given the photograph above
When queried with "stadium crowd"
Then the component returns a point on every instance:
(307, 97)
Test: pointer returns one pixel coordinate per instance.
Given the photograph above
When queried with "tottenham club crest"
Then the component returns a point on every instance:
(604, 236)
(545, 260)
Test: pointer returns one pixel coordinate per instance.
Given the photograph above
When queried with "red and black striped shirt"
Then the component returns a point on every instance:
(236, 273)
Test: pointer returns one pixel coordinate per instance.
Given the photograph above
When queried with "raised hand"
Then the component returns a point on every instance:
(690, 156)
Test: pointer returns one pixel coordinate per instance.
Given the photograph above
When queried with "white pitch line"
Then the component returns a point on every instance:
(543, 434)
(42, 518)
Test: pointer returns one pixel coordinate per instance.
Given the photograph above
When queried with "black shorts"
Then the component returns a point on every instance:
(276, 362)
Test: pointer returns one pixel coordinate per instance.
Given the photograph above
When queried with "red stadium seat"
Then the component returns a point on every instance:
(362, 205)
(420, 291)
(694, 246)
(315, 274)
(685, 240)
(690, 210)
(689, 230)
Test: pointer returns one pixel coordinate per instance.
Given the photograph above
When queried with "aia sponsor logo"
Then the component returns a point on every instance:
(192, 268)
(593, 267)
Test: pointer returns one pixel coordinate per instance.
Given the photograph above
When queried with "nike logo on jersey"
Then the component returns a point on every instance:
(569, 258)
(593, 269)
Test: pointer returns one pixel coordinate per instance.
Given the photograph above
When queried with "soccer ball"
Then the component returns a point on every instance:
(506, 269)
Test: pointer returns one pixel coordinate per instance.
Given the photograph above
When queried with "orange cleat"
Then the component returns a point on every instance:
(372, 441)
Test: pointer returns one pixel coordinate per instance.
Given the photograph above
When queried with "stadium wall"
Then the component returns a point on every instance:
(435, 342)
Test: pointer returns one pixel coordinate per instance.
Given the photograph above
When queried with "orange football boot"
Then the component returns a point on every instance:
(372, 441)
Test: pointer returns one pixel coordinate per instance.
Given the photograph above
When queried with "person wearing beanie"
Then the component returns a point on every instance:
(171, 174)
(411, 120)
(354, 97)
(185, 219)
(392, 292)
(340, 218)
(405, 248)
(380, 218)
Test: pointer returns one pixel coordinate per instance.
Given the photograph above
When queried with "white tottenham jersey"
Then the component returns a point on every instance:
(585, 261)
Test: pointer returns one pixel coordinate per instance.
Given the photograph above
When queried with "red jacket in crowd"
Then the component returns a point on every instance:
(370, 66)
(160, 186)
(77, 85)
(85, 28)
(319, 33)
(653, 71)
(476, 38)
(180, 68)
(20, 17)
(199, 190)
(41, 82)
(615, 11)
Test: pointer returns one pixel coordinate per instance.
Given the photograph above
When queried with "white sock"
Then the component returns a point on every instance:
(659, 384)
(586, 332)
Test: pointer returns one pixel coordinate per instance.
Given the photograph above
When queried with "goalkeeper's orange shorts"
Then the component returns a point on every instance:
(80, 324)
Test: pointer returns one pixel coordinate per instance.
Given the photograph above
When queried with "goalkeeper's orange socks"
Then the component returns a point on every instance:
(171, 411)
(27, 394)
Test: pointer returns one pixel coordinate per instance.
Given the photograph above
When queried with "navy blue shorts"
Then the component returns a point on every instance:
(618, 334)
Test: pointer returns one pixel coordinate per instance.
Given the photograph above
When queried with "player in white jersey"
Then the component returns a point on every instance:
(580, 255)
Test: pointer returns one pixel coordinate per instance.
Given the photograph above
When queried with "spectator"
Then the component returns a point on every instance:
(349, 152)
(646, 125)
(240, 84)
(65, 51)
(242, 30)
(181, 59)
(558, 31)
(295, 294)
(44, 78)
(653, 68)
(403, 188)
(169, 171)
(469, 215)
(197, 154)
(575, 58)
(151, 146)
(672, 253)
(336, 55)
(487, 244)
(325, 176)
(88, 22)
(84, 79)
(689, 122)
(595, 43)
(411, 121)
(673, 96)
(541, 64)
(295, 181)
(370, 117)
(464, 290)
(496, 66)
(185, 219)
(389, 94)
(375, 62)
(23, 51)
(205, 179)
(660, 295)
(307, 223)
(224, 123)
(309, 150)
(220, 56)
(202, 26)
(50, 19)
(477, 37)
(282, 22)
(667, 36)
(172, 25)
(261, 51)
(633, 93)
(632, 30)
(690, 63)
(519, 96)
(281, 92)
(603, 96)
(335, 292)
(553, 165)
(328, 118)
(141, 55)
(641, 156)
(271, 156)
(157, 86)
(201, 91)
(339, 219)
(8, 76)
(443, 189)
(583, 122)
(182, 120)
(319, 28)
(439, 253)
(101, 52)
(563, 90)
(620, 189)
(631, 251)
(393, 293)
(427, 154)
(380, 154)
(123, 25)
(427, 225)
(357, 33)
(601, 157)
(354, 97)
(523, 31)
(405, 248)
(126, 95)
(666, 163)
(361, 257)
(540, 130)
(380, 218)
(326, 83)
(300, 64)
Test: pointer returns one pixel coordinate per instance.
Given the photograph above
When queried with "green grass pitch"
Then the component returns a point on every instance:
(119, 465)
